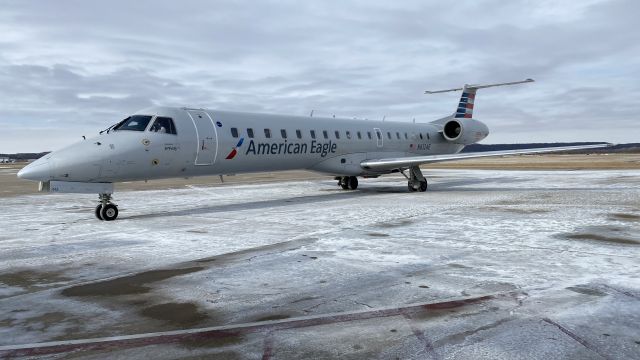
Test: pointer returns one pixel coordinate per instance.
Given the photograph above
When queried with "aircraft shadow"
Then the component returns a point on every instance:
(256, 205)
(366, 191)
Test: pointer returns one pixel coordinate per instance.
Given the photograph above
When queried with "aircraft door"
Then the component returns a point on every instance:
(207, 134)
(379, 137)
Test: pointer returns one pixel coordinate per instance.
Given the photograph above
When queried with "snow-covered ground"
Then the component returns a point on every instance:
(566, 242)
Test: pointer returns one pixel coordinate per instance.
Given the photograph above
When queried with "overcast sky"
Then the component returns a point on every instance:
(71, 68)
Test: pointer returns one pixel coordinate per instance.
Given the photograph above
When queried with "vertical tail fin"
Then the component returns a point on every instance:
(468, 98)
(465, 107)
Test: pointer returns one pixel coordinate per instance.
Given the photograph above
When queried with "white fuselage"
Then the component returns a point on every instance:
(204, 144)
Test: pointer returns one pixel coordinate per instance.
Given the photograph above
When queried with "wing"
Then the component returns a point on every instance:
(405, 162)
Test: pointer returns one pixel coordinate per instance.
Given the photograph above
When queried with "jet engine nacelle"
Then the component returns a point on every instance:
(464, 131)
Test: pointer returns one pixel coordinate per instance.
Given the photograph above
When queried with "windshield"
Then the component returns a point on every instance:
(134, 123)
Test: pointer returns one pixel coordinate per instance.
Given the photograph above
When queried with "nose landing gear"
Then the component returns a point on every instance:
(106, 210)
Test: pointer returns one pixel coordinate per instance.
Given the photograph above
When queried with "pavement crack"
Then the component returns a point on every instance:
(363, 304)
(578, 339)
(461, 337)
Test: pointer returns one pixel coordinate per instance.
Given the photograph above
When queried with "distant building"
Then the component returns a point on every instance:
(5, 160)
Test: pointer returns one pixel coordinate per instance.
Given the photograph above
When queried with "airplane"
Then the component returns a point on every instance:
(166, 142)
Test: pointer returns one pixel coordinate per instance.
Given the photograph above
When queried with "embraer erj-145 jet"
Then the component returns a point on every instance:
(165, 142)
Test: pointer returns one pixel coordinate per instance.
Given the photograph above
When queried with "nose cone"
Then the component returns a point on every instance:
(39, 170)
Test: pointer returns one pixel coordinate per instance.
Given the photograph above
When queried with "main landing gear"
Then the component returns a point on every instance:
(106, 210)
(417, 182)
(347, 182)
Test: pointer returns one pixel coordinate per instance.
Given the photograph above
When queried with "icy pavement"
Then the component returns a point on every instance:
(554, 257)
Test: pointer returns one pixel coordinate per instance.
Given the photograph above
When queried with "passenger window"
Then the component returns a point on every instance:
(398, 135)
(359, 135)
(163, 125)
(369, 134)
(420, 136)
(312, 133)
(406, 137)
(134, 123)
(325, 134)
(234, 132)
(348, 134)
(337, 134)
(250, 133)
(267, 133)
(389, 135)
(299, 134)
(283, 133)
(379, 135)
(428, 136)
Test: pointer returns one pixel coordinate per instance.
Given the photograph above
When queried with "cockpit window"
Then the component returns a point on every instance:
(163, 125)
(135, 123)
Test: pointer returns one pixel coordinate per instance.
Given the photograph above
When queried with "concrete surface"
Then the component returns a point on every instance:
(485, 265)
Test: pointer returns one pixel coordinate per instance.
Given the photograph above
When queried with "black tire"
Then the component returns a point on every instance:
(352, 182)
(411, 188)
(109, 212)
(98, 211)
(344, 183)
(423, 186)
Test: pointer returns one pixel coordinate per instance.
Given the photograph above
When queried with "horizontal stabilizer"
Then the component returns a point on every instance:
(475, 87)
(467, 99)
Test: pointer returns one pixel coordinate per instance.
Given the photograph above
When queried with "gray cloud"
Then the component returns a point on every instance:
(69, 68)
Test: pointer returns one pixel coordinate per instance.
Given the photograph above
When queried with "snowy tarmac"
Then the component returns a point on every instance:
(484, 265)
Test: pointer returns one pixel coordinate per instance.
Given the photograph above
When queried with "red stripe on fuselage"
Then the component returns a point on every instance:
(232, 154)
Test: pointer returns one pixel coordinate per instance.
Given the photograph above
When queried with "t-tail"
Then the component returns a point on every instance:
(468, 97)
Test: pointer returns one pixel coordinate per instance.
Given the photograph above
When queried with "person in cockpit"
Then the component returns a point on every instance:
(157, 127)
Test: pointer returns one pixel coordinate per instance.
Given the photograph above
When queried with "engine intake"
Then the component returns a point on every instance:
(452, 130)
(465, 132)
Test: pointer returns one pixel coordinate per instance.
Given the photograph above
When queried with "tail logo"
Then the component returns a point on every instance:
(465, 107)
(234, 151)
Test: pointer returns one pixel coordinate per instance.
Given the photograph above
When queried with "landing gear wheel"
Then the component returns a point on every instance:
(98, 211)
(417, 181)
(344, 183)
(423, 186)
(109, 212)
(352, 182)
(410, 186)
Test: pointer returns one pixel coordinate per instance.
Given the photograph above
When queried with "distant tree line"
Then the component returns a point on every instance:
(25, 156)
